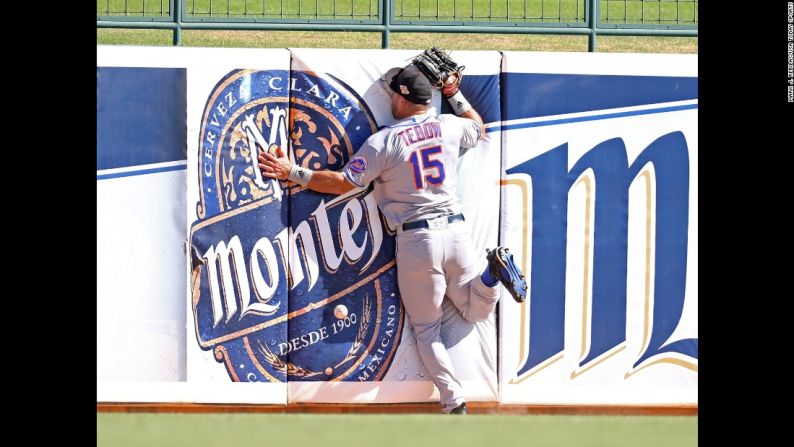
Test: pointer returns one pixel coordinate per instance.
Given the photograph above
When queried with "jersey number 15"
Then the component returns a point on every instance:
(427, 168)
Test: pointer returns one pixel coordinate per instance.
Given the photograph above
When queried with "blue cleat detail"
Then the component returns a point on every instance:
(502, 266)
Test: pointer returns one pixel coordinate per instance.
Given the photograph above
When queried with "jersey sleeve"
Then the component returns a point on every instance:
(365, 166)
(471, 133)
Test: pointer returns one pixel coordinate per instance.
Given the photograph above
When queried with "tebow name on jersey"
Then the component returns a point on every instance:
(420, 132)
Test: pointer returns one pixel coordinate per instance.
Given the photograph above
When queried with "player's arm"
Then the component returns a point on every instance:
(473, 115)
(460, 105)
(330, 182)
(472, 126)
(279, 167)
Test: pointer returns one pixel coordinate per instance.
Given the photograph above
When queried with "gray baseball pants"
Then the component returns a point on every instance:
(432, 263)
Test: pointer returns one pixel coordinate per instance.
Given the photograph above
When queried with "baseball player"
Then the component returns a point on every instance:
(413, 165)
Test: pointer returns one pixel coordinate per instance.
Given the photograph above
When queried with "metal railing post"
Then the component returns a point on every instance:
(387, 8)
(592, 23)
(176, 8)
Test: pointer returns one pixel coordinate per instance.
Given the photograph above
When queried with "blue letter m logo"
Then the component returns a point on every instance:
(606, 171)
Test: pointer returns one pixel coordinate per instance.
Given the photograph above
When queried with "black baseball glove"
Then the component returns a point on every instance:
(443, 73)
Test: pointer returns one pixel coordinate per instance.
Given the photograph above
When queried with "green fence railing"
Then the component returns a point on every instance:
(573, 17)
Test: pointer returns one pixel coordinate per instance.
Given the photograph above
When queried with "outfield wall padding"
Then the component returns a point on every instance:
(217, 285)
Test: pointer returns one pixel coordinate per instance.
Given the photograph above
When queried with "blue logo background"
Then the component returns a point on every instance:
(271, 260)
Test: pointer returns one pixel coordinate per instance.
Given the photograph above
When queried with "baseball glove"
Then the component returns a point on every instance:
(443, 73)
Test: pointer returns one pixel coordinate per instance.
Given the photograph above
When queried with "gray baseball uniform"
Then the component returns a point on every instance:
(414, 166)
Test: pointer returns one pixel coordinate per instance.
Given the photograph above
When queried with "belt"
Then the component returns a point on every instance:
(432, 223)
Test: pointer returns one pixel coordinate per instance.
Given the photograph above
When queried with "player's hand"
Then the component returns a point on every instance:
(451, 85)
(274, 163)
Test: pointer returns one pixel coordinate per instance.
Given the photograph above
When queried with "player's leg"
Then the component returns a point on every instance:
(422, 285)
(465, 288)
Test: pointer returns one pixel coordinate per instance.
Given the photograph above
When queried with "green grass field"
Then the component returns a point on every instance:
(554, 11)
(631, 11)
(305, 39)
(349, 430)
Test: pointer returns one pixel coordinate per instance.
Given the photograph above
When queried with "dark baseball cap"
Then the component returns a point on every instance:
(412, 85)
